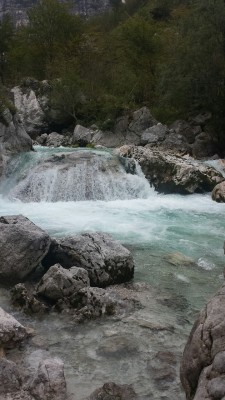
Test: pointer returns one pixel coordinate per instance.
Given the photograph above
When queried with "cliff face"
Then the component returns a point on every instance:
(18, 8)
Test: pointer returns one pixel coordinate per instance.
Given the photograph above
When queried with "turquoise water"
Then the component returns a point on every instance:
(177, 243)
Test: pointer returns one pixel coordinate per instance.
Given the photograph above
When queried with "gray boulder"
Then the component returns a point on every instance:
(203, 363)
(49, 382)
(106, 260)
(13, 137)
(30, 109)
(173, 174)
(22, 247)
(112, 391)
(59, 282)
(218, 193)
(82, 135)
(185, 129)
(154, 134)
(11, 331)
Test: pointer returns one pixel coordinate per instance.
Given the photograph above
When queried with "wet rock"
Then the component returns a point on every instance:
(106, 260)
(22, 247)
(111, 391)
(173, 174)
(10, 379)
(49, 382)
(59, 282)
(82, 135)
(162, 369)
(11, 331)
(178, 259)
(202, 367)
(26, 300)
(117, 347)
(90, 303)
(218, 193)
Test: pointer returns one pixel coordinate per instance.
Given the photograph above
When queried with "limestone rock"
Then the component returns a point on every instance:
(29, 109)
(11, 331)
(155, 134)
(59, 282)
(106, 260)
(202, 368)
(10, 379)
(173, 174)
(218, 193)
(111, 391)
(49, 382)
(22, 247)
(13, 137)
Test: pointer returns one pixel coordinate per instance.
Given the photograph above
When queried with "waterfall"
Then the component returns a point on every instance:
(74, 176)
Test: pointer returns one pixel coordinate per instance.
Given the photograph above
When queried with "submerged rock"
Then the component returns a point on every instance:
(49, 382)
(218, 193)
(203, 363)
(173, 174)
(112, 391)
(11, 331)
(106, 260)
(22, 247)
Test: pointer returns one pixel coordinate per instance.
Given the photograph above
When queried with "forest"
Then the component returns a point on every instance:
(168, 55)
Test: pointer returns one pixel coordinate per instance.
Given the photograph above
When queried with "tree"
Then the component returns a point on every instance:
(6, 35)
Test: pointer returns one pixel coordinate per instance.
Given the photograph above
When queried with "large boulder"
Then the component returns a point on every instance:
(218, 193)
(106, 260)
(173, 174)
(49, 382)
(22, 247)
(13, 136)
(30, 107)
(203, 363)
(59, 282)
(154, 134)
(112, 391)
(11, 331)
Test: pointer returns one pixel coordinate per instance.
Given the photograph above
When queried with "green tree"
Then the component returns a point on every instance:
(6, 35)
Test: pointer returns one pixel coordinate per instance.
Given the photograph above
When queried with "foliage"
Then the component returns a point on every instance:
(166, 54)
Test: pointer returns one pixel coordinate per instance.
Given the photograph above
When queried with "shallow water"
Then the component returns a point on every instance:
(177, 244)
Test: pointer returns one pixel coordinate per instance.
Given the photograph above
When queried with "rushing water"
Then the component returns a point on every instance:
(177, 243)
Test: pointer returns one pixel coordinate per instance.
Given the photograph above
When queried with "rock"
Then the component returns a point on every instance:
(177, 258)
(22, 247)
(175, 142)
(111, 391)
(90, 303)
(188, 131)
(173, 174)
(162, 369)
(59, 282)
(154, 134)
(203, 146)
(29, 108)
(11, 331)
(106, 260)
(82, 135)
(49, 382)
(13, 137)
(201, 119)
(10, 379)
(141, 120)
(202, 367)
(26, 300)
(117, 346)
(218, 193)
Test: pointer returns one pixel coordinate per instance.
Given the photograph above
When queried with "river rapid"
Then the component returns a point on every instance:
(177, 244)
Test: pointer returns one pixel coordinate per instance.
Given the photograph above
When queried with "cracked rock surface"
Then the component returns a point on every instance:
(203, 363)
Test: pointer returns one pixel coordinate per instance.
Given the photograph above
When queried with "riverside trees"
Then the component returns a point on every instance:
(166, 54)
